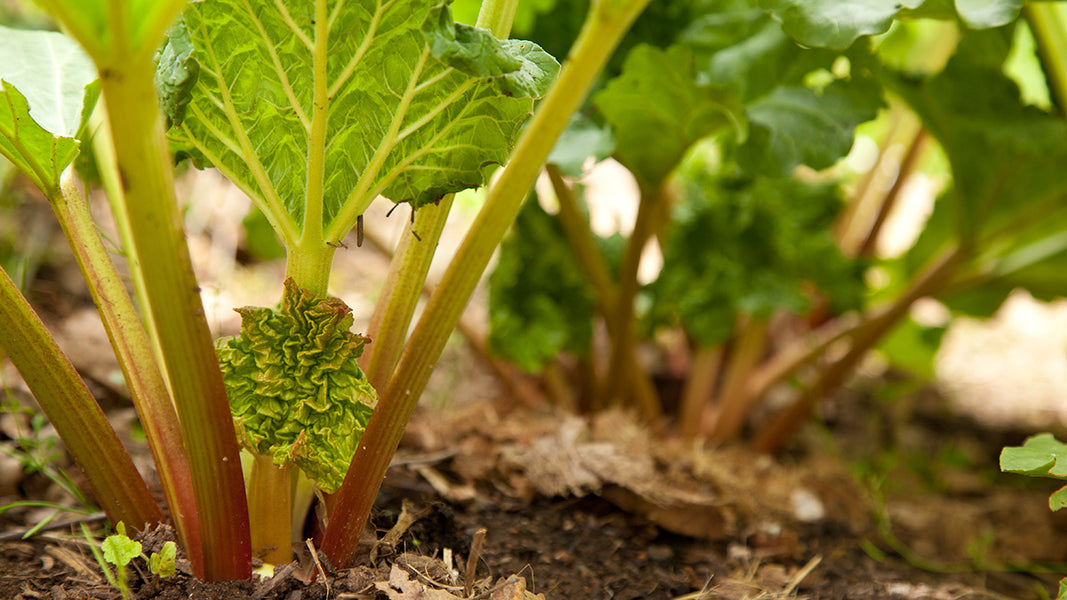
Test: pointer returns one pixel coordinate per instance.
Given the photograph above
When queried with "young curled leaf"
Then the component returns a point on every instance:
(295, 390)
(162, 563)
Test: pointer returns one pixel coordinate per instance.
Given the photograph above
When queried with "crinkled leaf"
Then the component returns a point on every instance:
(658, 110)
(1041, 455)
(416, 108)
(176, 73)
(296, 392)
(742, 245)
(838, 23)
(539, 301)
(42, 102)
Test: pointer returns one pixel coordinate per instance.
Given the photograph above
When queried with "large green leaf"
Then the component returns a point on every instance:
(296, 392)
(794, 118)
(658, 110)
(43, 100)
(838, 23)
(539, 301)
(740, 46)
(1007, 163)
(799, 125)
(417, 106)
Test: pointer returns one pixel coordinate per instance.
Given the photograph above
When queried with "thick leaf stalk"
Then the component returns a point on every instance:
(624, 337)
(177, 313)
(603, 29)
(137, 360)
(73, 412)
(407, 271)
(403, 286)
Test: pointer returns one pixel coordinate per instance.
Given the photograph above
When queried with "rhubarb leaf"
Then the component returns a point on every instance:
(1006, 158)
(753, 246)
(45, 93)
(415, 106)
(296, 392)
(838, 23)
(539, 300)
(1006, 161)
(659, 111)
(798, 125)
(793, 117)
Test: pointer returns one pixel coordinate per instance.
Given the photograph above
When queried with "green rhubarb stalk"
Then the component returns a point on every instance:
(403, 286)
(603, 29)
(104, 155)
(800, 353)
(137, 360)
(911, 158)
(734, 403)
(852, 224)
(591, 261)
(411, 263)
(624, 341)
(590, 258)
(269, 501)
(121, 38)
(308, 264)
(175, 307)
(699, 389)
(1046, 20)
(74, 413)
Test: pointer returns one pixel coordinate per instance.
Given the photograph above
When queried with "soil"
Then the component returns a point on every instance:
(964, 533)
(878, 500)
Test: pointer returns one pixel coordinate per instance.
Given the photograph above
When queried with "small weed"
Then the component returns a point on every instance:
(37, 453)
(119, 550)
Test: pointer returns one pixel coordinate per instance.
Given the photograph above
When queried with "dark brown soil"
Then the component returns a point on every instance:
(589, 548)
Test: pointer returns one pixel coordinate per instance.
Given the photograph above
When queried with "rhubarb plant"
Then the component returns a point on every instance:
(314, 110)
(314, 122)
(734, 120)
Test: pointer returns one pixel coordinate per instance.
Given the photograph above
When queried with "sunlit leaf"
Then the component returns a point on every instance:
(415, 107)
(43, 100)
(838, 23)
